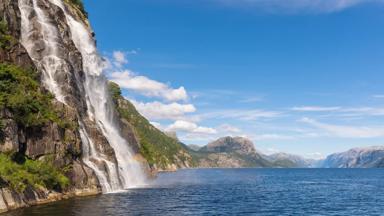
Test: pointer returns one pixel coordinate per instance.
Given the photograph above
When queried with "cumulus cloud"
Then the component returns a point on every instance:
(344, 131)
(161, 111)
(147, 87)
(190, 127)
(297, 6)
(119, 58)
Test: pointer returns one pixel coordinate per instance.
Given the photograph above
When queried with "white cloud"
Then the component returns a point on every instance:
(147, 87)
(160, 111)
(119, 58)
(297, 6)
(346, 131)
(157, 125)
(361, 111)
(190, 127)
(226, 128)
(315, 109)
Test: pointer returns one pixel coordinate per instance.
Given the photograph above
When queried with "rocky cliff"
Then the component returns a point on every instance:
(62, 133)
(371, 157)
(33, 126)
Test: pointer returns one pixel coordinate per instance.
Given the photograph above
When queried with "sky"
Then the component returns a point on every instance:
(297, 76)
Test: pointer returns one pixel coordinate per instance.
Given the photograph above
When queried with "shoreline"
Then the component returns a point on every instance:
(10, 200)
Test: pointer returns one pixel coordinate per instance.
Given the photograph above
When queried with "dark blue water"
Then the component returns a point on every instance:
(238, 192)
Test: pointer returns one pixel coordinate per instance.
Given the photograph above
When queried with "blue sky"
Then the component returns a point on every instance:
(299, 76)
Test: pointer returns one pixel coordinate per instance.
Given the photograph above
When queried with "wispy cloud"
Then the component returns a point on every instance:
(251, 99)
(315, 109)
(227, 128)
(378, 96)
(343, 111)
(241, 114)
(345, 131)
(297, 6)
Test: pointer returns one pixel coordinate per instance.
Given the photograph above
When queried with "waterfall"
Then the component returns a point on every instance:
(127, 172)
(48, 60)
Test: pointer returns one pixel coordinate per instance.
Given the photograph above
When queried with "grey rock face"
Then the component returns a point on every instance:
(64, 145)
(371, 157)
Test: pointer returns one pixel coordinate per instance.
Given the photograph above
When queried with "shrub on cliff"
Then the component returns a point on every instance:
(6, 40)
(80, 5)
(37, 174)
(20, 93)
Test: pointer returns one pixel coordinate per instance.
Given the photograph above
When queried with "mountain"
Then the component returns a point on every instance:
(194, 147)
(371, 157)
(290, 161)
(64, 130)
(229, 152)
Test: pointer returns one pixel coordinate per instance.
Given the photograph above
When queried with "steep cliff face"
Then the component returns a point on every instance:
(55, 109)
(25, 131)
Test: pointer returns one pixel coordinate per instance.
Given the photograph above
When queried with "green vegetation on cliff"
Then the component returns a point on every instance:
(79, 5)
(158, 148)
(37, 174)
(6, 40)
(20, 93)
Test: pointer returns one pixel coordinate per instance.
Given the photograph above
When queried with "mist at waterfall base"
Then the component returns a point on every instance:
(113, 175)
(341, 192)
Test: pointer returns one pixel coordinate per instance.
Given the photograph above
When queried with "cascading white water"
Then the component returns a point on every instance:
(47, 61)
(128, 172)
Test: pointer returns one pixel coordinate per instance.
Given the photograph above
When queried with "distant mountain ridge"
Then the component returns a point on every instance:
(370, 157)
(229, 152)
(236, 152)
(290, 161)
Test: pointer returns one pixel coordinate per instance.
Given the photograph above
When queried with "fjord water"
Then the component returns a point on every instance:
(237, 192)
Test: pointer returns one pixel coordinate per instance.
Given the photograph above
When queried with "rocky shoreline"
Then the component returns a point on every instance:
(10, 200)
